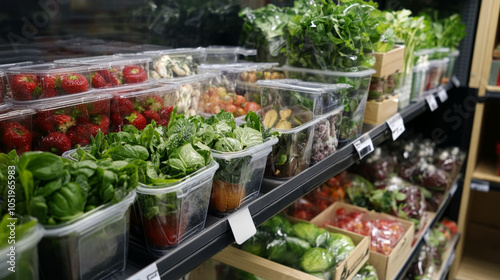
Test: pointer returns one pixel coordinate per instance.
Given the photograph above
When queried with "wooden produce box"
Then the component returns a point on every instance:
(389, 62)
(270, 270)
(387, 266)
(378, 112)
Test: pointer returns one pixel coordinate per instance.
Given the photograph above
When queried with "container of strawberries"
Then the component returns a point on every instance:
(64, 123)
(42, 81)
(4, 84)
(115, 71)
(141, 106)
(15, 129)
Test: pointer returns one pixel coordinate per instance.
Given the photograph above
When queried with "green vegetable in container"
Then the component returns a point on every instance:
(317, 260)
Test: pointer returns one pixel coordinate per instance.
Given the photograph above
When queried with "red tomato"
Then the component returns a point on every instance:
(341, 212)
(239, 112)
(230, 108)
(240, 99)
(252, 106)
(163, 231)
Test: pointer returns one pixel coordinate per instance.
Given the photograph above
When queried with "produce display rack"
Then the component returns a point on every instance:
(449, 257)
(274, 197)
(415, 251)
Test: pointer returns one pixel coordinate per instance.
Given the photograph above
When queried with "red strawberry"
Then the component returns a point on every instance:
(163, 122)
(62, 123)
(103, 122)
(165, 112)
(80, 134)
(154, 102)
(74, 83)
(92, 130)
(43, 121)
(134, 74)
(16, 136)
(98, 107)
(98, 81)
(137, 120)
(116, 122)
(121, 106)
(151, 115)
(56, 142)
(25, 87)
(116, 77)
(48, 86)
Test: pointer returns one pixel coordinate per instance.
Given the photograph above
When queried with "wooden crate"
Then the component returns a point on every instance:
(389, 62)
(378, 112)
(387, 266)
(270, 270)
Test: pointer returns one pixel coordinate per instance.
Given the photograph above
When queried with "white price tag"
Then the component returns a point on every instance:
(443, 95)
(397, 125)
(150, 272)
(242, 225)
(431, 100)
(364, 146)
(479, 185)
(455, 81)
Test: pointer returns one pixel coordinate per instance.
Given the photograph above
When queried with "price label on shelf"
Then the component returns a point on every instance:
(455, 81)
(242, 225)
(364, 145)
(479, 185)
(150, 272)
(443, 95)
(431, 101)
(397, 125)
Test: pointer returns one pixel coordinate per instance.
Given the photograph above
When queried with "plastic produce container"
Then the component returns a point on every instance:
(63, 123)
(419, 81)
(173, 63)
(326, 135)
(226, 54)
(26, 256)
(43, 81)
(92, 246)
(239, 176)
(189, 91)
(115, 71)
(16, 129)
(354, 100)
(292, 154)
(246, 84)
(437, 68)
(153, 104)
(453, 56)
(5, 91)
(173, 212)
(81, 60)
(289, 93)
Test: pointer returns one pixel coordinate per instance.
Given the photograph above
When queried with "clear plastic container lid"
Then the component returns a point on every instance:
(188, 79)
(305, 125)
(301, 86)
(360, 73)
(64, 101)
(91, 219)
(236, 67)
(115, 61)
(160, 90)
(124, 88)
(454, 53)
(438, 62)
(254, 151)
(45, 69)
(16, 113)
(5, 106)
(225, 50)
(180, 52)
(189, 181)
(78, 60)
(421, 67)
(29, 240)
(18, 64)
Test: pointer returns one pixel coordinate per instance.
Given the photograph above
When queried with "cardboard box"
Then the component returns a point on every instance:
(270, 270)
(378, 112)
(387, 266)
(389, 62)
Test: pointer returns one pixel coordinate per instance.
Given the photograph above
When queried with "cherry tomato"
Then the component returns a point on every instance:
(240, 99)
(230, 108)
(252, 106)
(239, 112)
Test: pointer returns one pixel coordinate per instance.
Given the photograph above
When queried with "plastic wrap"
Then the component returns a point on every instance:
(378, 165)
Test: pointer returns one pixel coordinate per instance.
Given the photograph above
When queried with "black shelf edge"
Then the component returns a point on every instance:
(415, 251)
(484, 185)
(275, 196)
(449, 261)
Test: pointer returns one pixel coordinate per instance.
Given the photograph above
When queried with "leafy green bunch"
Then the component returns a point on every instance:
(330, 36)
(162, 155)
(56, 190)
(302, 246)
(446, 32)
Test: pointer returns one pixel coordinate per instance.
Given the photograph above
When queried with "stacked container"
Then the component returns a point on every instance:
(16, 129)
(354, 100)
(174, 63)
(453, 56)
(189, 91)
(227, 54)
(4, 84)
(92, 246)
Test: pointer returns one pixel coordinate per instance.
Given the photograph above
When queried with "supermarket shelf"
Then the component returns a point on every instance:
(481, 254)
(448, 258)
(415, 251)
(486, 171)
(492, 93)
(274, 197)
